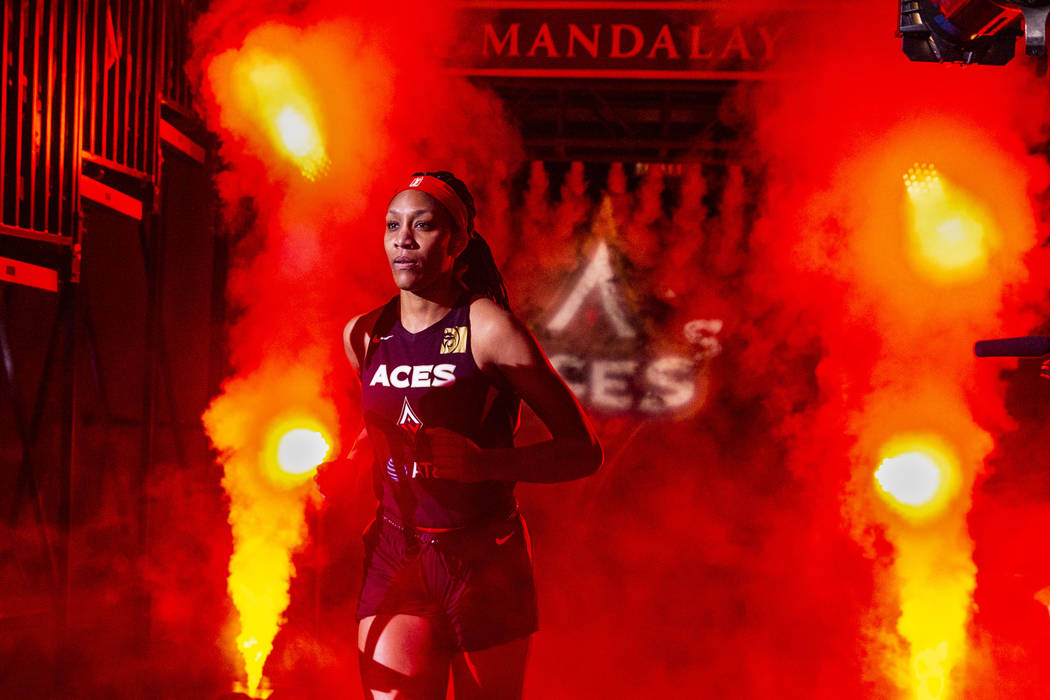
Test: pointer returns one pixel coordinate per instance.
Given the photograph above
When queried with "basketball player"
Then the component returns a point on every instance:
(448, 572)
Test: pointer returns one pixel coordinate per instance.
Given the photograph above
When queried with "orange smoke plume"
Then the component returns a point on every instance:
(321, 110)
(894, 281)
(269, 480)
(918, 455)
(297, 102)
(275, 90)
(932, 265)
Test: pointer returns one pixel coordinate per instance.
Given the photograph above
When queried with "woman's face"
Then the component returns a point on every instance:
(421, 240)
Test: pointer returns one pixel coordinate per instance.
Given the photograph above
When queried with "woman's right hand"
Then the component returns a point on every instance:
(453, 456)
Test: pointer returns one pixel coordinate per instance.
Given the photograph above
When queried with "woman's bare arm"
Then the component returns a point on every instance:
(503, 346)
(356, 334)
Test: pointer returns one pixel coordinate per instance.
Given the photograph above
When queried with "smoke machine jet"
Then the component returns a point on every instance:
(971, 31)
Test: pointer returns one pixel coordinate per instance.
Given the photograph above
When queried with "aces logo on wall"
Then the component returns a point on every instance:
(614, 359)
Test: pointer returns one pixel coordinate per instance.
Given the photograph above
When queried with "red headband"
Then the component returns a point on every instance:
(443, 193)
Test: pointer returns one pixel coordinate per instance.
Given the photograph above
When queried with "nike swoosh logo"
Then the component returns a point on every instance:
(501, 540)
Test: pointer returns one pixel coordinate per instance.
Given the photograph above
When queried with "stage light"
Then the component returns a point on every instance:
(301, 140)
(300, 451)
(276, 89)
(296, 134)
(912, 478)
(971, 31)
(917, 475)
(950, 234)
(293, 448)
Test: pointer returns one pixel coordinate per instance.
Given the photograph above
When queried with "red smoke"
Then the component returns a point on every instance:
(385, 110)
(718, 550)
(362, 87)
(831, 263)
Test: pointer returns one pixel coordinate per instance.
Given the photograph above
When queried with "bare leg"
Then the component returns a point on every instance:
(401, 658)
(491, 674)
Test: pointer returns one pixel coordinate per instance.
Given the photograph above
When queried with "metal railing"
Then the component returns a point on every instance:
(39, 155)
(122, 40)
(84, 80)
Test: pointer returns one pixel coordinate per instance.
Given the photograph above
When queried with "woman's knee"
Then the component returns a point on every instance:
(400, 657)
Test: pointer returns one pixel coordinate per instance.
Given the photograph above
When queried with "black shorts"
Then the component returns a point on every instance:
(476, 584)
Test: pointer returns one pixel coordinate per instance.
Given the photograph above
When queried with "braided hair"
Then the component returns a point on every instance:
(480, 274)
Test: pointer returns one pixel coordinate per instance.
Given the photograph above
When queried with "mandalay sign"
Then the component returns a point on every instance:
(581, 39)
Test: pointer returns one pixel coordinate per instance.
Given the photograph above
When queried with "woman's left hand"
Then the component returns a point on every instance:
(454, 456)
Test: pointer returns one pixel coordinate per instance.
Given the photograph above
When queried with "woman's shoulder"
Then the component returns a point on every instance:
(357, 333)
(494, 327)
(501, 340)
(363, 323)
(487, 314)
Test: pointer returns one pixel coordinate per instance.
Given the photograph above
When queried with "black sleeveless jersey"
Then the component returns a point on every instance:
(412, 381)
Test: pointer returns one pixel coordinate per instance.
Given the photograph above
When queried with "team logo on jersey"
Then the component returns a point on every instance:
(415, 376)
(454, 339)
(409, 420)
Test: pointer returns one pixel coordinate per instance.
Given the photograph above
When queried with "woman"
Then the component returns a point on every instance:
(448, 571)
